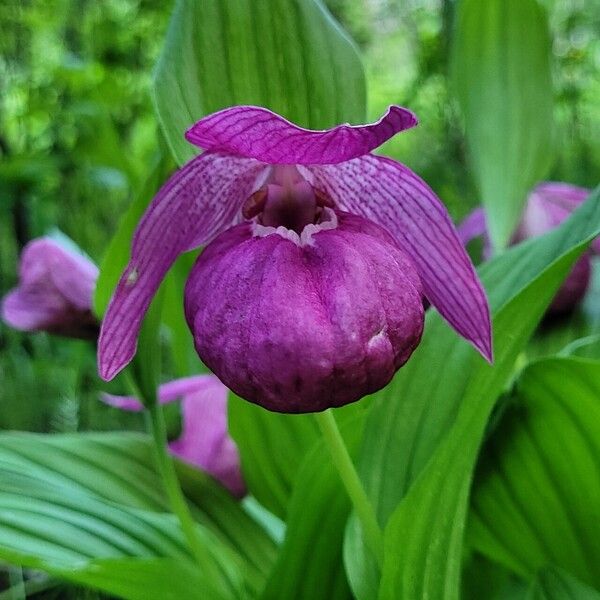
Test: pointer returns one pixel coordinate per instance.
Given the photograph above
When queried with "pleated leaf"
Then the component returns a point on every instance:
(536, 501)
(272, 447)
(70, 501)
(310, 563)
(554, 584)
(427, 424)
(287, 55)
(501, 71)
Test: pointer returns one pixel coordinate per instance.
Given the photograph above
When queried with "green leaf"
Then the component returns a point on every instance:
(411, 418)
(181, 342)
(145, 368)
(501, 70)
(310, 563)
(554, 584)
(287, 55)
(62, 531)
(482, 578)
(114, 474)
(272, 447)
(536, 500)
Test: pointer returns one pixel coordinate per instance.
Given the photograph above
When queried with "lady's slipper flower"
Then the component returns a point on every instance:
(309, 293)
(204, 441)
(54, 292)
(548, 205)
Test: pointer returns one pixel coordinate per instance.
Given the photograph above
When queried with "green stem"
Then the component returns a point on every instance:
(352, 483)
(179, 506)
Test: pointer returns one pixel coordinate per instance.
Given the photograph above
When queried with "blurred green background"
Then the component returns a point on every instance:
(78, 135)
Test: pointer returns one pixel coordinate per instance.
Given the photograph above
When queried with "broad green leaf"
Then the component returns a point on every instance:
(148, 579)
(62, 531)
(130, 578)
(554, 584)
(424, 535)
(416, 412)
(272, 447)
(536, 500)
(117, 469)
(501, 70)
(436, 505)
(287, 55)
(482, 578)
(310, 563)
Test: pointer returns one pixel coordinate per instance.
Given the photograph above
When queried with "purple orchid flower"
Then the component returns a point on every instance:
(204, 441)
(309, 292)
(54, 292)
(548, 205)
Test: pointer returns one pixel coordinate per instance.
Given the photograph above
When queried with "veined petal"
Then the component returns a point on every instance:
(256, 132)
(197, 202)
(391, 195)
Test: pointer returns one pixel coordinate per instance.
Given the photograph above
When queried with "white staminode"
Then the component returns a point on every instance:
(328, 221)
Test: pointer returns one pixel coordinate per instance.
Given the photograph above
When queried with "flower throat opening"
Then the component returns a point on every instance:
(287, 201)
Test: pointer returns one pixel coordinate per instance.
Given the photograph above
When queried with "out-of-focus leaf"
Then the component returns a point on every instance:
(587, 347)
(536, 500)
(287, 55)
(310, 563)
(482, 578)
(415, 418)
(501, 68)
(117, 469)
(554, 584)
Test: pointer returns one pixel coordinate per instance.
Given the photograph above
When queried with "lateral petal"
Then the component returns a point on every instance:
(197, 203)
(390, 194)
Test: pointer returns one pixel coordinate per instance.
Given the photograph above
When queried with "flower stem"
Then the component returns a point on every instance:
(156, 427)
(352, 483)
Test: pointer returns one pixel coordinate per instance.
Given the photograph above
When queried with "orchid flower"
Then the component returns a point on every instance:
(547, 206)
(309, 292)
(204, 441)
(54, 292)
